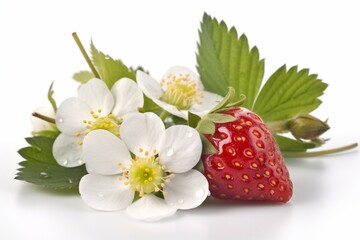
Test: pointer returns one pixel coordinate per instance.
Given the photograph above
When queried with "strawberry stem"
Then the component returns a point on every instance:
(278, 127)
(164, 114)
(42, 117)
(85, 55)
(318, 153)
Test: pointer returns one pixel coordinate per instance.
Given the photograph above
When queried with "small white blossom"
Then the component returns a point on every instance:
(152, 182)
(179, 91)
(96, 107)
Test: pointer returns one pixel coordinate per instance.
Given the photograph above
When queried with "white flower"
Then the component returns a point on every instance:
(179, 91)
(39, 125)
(161, 166)
(96, 107)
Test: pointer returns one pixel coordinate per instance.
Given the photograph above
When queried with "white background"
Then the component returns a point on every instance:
(36, 48)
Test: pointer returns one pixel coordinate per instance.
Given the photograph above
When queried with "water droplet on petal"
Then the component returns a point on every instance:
(189, 134)
(79, 161)
(181, 201)
(170, 152)
(61, 120)
(200, 193)
(65, 162)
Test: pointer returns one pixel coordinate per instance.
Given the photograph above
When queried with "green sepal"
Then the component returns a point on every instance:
(150, 105)
(225, 101)
(139, 68)
(110, 70)
(291, 145)
(193, 119)
(51, 98)
(83, 76)
(207, 147)
(220, 118)
(205, 126)
(40, 167)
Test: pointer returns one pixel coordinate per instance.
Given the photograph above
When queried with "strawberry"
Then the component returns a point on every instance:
(247, 163)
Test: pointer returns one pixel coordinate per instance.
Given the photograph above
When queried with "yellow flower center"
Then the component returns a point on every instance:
(181, 91)
(109, 123)
(146, 175)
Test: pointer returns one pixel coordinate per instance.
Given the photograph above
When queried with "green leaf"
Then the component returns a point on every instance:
(48, 133)
(40, 167)
(220, 118)
(205, 126)
(225, 60)
(83, 76)
(292, 145)
(193, 119)
(289, 93)
(110, 70)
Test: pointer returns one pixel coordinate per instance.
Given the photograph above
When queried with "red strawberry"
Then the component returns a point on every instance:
(248, 163)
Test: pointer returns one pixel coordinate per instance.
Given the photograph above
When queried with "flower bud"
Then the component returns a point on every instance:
(307, 127)
(39, 125)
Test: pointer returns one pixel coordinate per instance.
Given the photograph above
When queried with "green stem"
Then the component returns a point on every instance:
(278, 127)
(42, 117)
(86, 56)
(318, 153)
(164, 114)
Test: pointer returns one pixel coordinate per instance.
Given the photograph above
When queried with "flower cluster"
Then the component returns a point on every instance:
(132, 161)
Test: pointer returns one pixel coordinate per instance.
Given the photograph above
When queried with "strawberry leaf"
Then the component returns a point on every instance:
(292, 145)
(110, 70)
(83, 76)
(289, 93)
(225, 60)
(40, 167)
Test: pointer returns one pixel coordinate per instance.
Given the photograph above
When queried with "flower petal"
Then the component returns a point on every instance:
(106, 193)
(187, 190)
(180, 148)
(103, 152)
(67, 151)
(97, 95)
(128, 97)
(181, 71)
(142, 130)
(150, 87)
(150, 208)
(171, 109)
(70, 116)
(208, 102)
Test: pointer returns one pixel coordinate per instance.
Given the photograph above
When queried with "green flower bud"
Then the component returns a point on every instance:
(307, 127)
